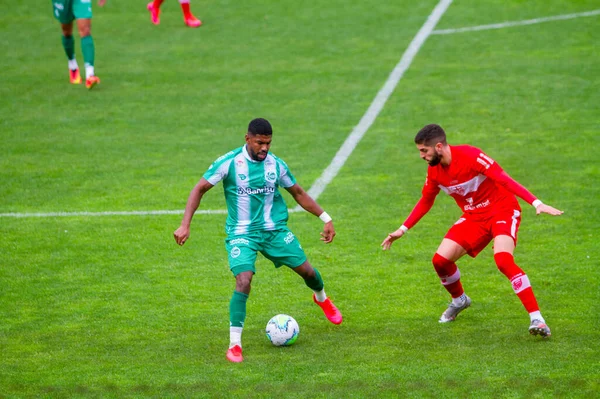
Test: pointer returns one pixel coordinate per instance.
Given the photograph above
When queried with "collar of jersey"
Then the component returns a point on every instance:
(248, 157)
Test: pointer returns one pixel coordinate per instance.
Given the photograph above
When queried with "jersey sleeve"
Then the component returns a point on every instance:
(492, 170)
(286, 178)
(502, 178)
(217, 171)
(428, 194)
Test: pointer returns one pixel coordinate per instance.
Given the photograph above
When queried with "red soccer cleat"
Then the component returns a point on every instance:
(234, 354)
(74, 76)
(91, 82)
(331, 312)
(192, 21)
(154, 13)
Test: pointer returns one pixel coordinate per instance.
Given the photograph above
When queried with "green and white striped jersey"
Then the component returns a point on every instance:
(254, 202)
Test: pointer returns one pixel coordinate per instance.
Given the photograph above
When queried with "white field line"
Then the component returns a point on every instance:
(378, 103)
(109, 213)
(516, 23)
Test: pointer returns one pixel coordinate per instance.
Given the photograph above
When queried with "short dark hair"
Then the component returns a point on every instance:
(430, 135)
(260, 126)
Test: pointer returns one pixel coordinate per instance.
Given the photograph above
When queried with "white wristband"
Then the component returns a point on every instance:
(325, 217)
(404, 228)
(536, 203)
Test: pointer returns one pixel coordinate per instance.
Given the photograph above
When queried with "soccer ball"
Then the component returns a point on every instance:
(282, 330)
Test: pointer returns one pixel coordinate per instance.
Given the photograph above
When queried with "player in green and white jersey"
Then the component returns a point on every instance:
(257, 222)
(67, 11)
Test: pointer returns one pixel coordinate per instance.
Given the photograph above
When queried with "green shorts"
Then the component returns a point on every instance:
(281, 247)
(68, 10)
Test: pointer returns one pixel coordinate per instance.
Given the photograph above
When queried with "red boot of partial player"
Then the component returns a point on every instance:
(91, 82)
(192, 21)
(154, 13)
(74, 76)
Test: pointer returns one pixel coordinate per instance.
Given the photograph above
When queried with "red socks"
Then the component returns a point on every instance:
(449, 275)
(450, 278)
(185, 7)
(518, 279)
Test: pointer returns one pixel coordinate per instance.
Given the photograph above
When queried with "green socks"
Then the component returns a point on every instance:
(316, 283)
(237, 309)
(69, 46)
(87, 48)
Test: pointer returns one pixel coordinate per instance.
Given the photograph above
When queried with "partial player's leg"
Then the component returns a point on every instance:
(504, 246)
(189, 18)
(64, 14)
(237, 315)
(242, 257)
(312, 278)
(283, 248)
(69, 45)
(82, 12)
(84, 25)
(154, 8)
(447, 253)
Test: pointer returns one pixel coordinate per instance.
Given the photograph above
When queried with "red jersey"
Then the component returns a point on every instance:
(475, 181)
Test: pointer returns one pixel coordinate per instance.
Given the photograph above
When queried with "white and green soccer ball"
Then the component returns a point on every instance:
(282, 330)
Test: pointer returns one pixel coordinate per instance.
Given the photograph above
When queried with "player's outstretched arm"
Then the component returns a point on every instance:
(389, 240)
(310, 205)
(421, 208)
(543, 208)
(328, 232)
(101, 2)
(183, 232)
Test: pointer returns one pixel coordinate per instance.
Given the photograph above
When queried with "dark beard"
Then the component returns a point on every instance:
(254, 155)
(435, 160)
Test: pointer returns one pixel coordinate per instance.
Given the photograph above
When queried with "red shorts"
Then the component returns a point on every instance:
(474, 232)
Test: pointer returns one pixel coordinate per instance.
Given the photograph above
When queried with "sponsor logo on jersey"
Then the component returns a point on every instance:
(242, 176)
(235, 252)
(253, 191)
(478, 206)
(59, 6)
(289, 238)
(238, 241)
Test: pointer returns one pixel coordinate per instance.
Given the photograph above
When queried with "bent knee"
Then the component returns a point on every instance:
(439, 261)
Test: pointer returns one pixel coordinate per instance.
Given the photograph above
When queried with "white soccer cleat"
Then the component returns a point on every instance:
(538, 327)
(453, 310)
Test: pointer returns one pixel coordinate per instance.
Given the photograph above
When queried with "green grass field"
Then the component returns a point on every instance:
(96, 306)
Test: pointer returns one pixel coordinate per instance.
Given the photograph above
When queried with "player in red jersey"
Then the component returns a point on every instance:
(486, 194)
(188, 18)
